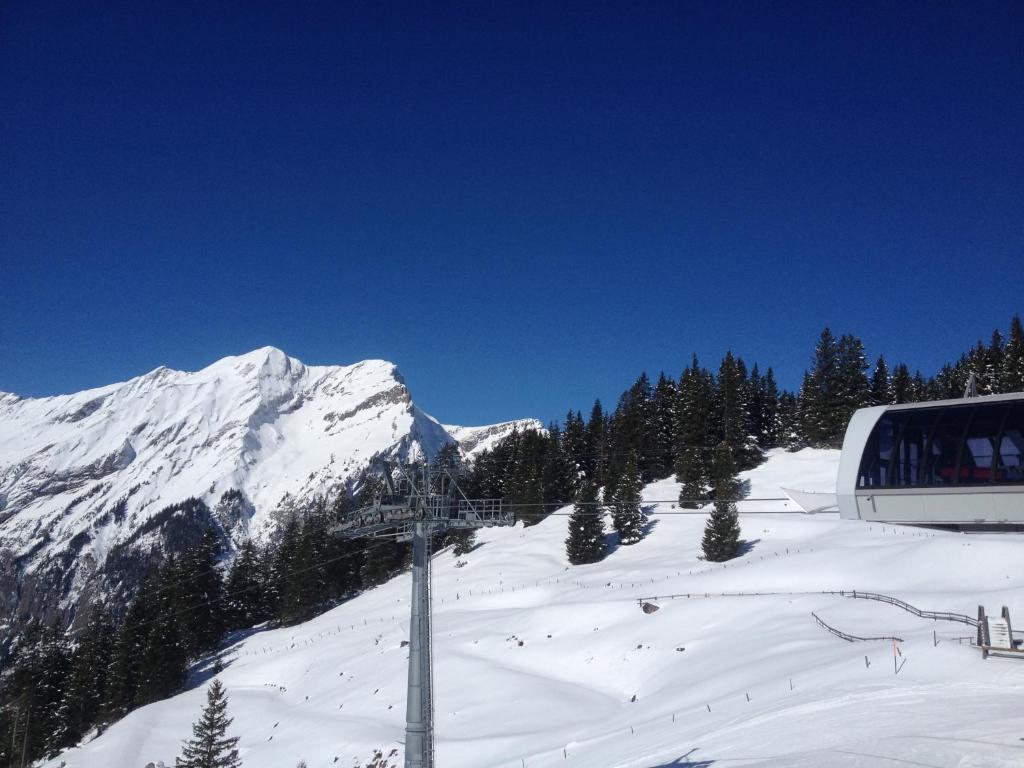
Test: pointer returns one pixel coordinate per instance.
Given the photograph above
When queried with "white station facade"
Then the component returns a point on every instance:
(946, 462)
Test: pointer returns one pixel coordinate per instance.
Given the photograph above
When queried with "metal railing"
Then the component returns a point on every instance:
(847, 636)
(693, 595)
(936, 615)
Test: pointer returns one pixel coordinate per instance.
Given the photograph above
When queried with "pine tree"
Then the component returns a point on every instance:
(286, 562)
(85, 688)
(210, 746)
(574, 444)
(881, 393)
(585, 543)
(769, 436)
(694, 433)
(994, 364)
(731, 404)
(787, 418)
(244, 604)
(164, 659)
(833, 389)
(632, 431)
(902, 385)
(125, 674)
(855, 388)
(597, 446)
(664, 402)
(628, 517)
(559, 472)
(722, 531)
(200, 591)
(462, 540)
(755, 406)
(1012, 374)
(35, 688)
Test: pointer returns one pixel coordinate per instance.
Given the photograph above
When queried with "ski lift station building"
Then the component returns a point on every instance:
(947, 462)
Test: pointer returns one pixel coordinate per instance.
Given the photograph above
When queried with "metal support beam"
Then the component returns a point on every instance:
(418, 714)
(424, 501)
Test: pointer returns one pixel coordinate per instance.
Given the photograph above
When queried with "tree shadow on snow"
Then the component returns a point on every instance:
(742, 489)
(611, 538)
(684, 761)
(650, 525)
(208, 668)
(747, 546)
(611, 543)
(204, 671)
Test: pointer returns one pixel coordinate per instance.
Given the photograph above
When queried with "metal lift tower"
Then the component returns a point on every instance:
(420, 500)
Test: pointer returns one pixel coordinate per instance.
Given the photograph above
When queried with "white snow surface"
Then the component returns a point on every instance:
(262, 423)
(538, 662)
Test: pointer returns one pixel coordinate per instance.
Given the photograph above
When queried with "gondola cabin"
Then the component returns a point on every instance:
(948, 462)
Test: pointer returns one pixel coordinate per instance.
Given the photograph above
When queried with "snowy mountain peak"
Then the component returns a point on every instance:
(82, 474)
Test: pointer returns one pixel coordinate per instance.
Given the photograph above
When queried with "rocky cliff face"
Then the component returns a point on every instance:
(92, 483)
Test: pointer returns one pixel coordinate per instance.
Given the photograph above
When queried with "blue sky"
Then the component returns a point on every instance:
(523, 205)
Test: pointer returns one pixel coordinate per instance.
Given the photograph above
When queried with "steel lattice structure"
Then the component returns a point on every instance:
(418, 501)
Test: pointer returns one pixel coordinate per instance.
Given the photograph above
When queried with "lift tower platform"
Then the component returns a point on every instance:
(418, 501)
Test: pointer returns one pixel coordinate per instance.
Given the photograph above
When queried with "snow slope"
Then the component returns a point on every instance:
(543, 664)
(81, 474)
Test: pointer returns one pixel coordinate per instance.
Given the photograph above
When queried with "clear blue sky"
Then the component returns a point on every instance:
(522, 204)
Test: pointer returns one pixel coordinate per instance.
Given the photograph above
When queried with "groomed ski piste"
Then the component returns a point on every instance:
(539, 663)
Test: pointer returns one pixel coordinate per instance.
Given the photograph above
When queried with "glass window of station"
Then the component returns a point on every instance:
(962, 445)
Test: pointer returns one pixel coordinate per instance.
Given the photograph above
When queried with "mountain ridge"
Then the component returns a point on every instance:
(81, 473)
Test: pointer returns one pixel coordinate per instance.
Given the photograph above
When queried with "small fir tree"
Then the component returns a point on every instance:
(722, 531)
(627, 515)
(585, 543)
(463, 540)
(210, 746)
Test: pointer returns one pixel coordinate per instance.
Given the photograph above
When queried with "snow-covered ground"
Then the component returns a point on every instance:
(539, 663)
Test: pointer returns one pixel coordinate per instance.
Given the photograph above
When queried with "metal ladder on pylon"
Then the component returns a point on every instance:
(428, 649)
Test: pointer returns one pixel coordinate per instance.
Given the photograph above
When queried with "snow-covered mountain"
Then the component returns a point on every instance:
(85, 477)
(547, 665)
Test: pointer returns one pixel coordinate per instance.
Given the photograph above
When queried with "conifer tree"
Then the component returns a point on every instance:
(596, 445)
(769, 436)
(585, 543)
(663, 403)
(85, 688)
(244, 604)
(125, 675)
(462, 540)
(35, 688)
(164, 658)
(559, 472)
(210, 746)
(833, 389)
(632, 431)
(994, 364)
(755, 397)
(902, 385)
(854, 386)
(628, 517)
(722, 531)
(1012, 374)
(286, 562)
(731, 410)
(574, 443)
(694, 432)
(881, 393)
